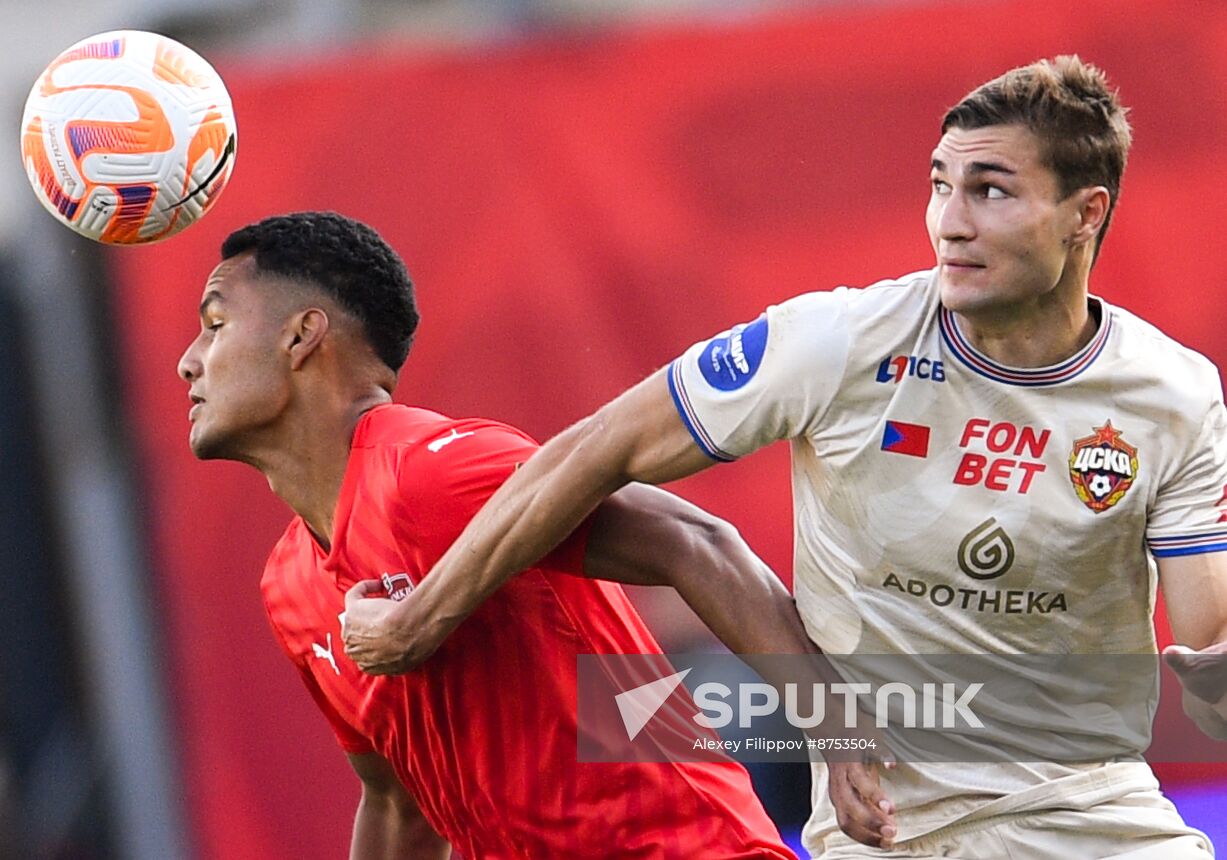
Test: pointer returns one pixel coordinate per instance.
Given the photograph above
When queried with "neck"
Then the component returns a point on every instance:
(305, 466)
(1041, 331)
(1039, 339)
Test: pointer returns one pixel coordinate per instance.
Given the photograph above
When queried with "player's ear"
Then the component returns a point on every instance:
(1093, 206)
(304, 333)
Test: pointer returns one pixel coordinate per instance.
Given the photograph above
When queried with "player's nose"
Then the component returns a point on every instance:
(189, 367)
(954, 220)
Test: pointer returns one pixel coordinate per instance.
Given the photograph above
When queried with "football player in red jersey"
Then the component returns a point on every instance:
(304, 326)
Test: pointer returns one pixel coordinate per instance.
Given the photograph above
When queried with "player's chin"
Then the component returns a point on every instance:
(961, 295)
(205, 445)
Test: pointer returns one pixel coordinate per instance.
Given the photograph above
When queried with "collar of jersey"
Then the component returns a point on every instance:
(1055, 374)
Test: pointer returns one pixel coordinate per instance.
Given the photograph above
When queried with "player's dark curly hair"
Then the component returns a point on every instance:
(349, 261)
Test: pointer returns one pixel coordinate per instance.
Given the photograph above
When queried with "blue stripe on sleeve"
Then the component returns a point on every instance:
(677, 391)
(1188, 550)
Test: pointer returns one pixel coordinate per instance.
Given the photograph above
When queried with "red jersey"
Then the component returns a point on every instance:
(484, 734)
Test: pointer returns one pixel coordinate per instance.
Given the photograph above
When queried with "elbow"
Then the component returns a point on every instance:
(714, 543)
(687, 551)
(721, 537)
(724, 540)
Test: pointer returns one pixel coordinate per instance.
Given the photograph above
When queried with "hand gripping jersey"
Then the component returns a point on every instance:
(484, 734)
(945, 503)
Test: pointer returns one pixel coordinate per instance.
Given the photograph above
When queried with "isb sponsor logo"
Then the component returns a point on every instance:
(894, 368)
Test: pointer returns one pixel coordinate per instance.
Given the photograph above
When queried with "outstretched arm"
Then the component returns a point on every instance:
(1195, 592)
(636, 437)
(389, 824)
(643, 535)
(646, 536)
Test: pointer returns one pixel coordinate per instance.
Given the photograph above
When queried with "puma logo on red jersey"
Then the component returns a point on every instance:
(436, 446)
(325, 654)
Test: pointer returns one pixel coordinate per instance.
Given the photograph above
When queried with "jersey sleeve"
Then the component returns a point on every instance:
(1190, 510)
(445, 488)
(769, 379)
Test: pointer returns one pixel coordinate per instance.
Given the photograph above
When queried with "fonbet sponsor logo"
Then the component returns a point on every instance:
(720, 705)
(986, 552)
(1001, 456)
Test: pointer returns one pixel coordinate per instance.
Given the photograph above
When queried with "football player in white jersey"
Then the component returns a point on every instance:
(987, 459)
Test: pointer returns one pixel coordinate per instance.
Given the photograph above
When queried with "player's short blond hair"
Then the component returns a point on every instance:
(1073, 111)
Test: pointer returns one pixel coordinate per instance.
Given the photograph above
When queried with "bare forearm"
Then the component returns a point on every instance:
(1205, 699)
(1195, 591)
(646, 536)
(527, 517)
(1210, 718)
(383, 832)
(739, 597)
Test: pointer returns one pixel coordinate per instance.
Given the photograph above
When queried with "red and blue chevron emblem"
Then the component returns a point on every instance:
(903, 438)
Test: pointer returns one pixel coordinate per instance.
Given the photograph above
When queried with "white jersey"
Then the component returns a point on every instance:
(945, 503)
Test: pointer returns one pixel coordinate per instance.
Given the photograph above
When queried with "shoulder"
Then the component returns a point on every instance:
(915, 289)
(284, 565)
(1163, 360)
(848, 326)
(408, 432)
(395, 424)
(425, 459)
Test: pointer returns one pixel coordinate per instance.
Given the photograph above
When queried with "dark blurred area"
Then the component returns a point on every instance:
(51, 782)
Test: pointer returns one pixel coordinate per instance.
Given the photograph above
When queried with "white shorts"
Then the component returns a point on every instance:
(1143, 825)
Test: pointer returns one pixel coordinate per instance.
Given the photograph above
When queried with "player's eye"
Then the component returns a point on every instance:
(940, 186)
(214, 325)
(994, 192)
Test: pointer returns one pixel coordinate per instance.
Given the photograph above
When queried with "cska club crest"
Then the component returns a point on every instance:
(1102, 467)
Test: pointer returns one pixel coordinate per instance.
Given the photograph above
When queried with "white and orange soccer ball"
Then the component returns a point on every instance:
(128, 137)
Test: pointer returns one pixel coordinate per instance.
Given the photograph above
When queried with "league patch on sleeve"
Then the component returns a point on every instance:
(730, 361)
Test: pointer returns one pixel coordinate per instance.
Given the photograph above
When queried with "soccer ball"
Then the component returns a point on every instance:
(1100, 485)
(128, 137)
